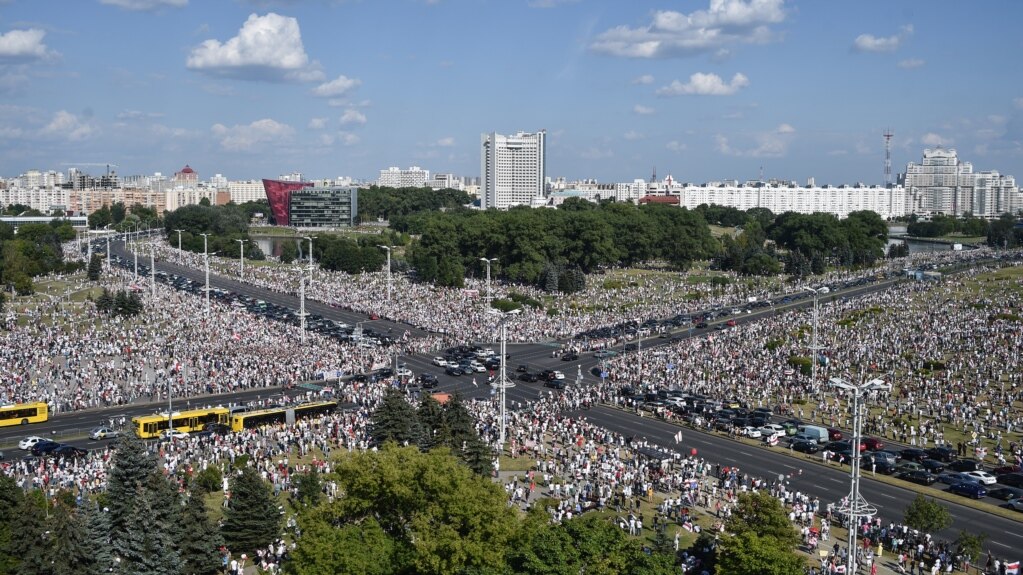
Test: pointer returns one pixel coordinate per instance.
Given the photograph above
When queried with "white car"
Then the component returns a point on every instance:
(772, 430)
(678, 401)
(982, 477)
(440, 361)
(477, 367)
(173, 434)
(29, 441)
(559, 375)
(405, 372)
(751, 432)
(103, 433)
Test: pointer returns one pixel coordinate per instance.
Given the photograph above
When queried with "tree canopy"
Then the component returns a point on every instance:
(387, 203)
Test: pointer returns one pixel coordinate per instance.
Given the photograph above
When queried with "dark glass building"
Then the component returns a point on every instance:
(332, 207)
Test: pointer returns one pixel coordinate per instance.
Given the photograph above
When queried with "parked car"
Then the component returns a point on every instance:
(772, 429)
(834, 434)
(873, 444)
(440, 362)
(522, 368)
(1002, 470)
(68, 451)
(965, 465)
(558, 384)
(805, 446)
(954, 477)
(1011, 479)
(751, 432)
(1016, 504)
(982, 477)
(913, 454)
(44, 447)
(453, 370)
(103, 433)
(946, 454)
(1005, 493)
(428, 380)
(527, 377)
(27, 443)
(173, 434)
(933, 465)
(570, 356)
(974, 490)
(920, 476)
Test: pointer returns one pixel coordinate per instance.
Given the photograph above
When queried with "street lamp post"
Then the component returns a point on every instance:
(241, 259)
(815, 348)
(388, 249)
(488, 261)
(152, 269)
(108, 253)
(206, 261)
(310, 259)
(301, 303)
(856, 506)
(179, 239)
(502, 383)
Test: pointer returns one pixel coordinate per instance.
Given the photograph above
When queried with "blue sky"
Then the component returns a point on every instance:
(701, 89)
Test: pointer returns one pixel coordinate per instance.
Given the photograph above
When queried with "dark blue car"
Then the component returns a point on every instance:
(974, 490)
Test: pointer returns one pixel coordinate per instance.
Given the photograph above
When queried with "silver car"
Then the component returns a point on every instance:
(103, 433)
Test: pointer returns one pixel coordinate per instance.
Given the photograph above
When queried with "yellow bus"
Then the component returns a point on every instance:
(24, 413)
(188, 421)
(288, 415)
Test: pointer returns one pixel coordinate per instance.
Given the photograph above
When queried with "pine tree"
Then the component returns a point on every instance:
(478, 456)
(395, 420)
(252, 519)
(95, 267)
(201, 541)
(166, 507)
(97, 523)
(70, 546)
(105, 301)
(132, 466)
(30, 543)
(461, 425)
(432, 423)
(11, 497)
(146, 548)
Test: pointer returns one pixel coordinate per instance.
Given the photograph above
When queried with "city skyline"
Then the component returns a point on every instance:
(704, 90)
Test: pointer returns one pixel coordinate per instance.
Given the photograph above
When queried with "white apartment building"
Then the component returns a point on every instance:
(942, 183)
(43, 199)
(513, 169)
(445, 181)
(219, 182)
(394, 177)
(887, 202)
(242, 191)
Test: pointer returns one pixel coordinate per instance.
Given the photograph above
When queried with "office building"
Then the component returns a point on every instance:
(242, 191)
(513, 169)
(944, 184)
(331, 207)
(394, 177)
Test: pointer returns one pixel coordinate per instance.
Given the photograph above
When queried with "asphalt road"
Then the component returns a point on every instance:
(830, 483)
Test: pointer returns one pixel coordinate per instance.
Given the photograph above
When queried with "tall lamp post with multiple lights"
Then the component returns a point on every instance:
(301, 301)
(502, 382)
(488, 261)
(241, 259)
(855, 506)
(388, 249)
(206, 260)
(179, 239)
(310, 259)
(815, 348)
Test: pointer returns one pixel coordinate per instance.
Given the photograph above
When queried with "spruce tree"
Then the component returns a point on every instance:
(478, 456)
(146, 549)
(30, 542)
(432, 423)
(132, 466)
(395, 420)
(252, 519)
(201, 542)
(460, 423)
(11, 497)
(97, 523)
(166, 507)
(95, 267)
(70, 550)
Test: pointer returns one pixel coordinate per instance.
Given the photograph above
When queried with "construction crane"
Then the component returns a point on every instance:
(108, 166)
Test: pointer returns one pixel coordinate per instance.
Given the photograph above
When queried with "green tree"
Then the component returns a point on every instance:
(970, 545)
(11, 496)
(70, 548)
(201, 541)
(31, 545)
(100, 218)
(326, 549)
(289, 251)
(434, 426)
(131, 467)
(146, 548)
(308, 488)
(927, 515)
(117, 212)
(395, 420)
(252, 519)
(760, 539)
(97, 522)
(95, 267)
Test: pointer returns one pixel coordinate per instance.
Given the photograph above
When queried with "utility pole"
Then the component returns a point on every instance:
(388, 248)
(490, 296)
(310, 259)
(206, 260)
(179, 239)
(241, 274)
(152, 269)
(108, 253)
(502, 383)
(301, 302)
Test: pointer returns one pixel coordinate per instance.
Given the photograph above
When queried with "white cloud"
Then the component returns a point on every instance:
(348, 138)
(337, 87)
(676, 146)
(145, 5)
(247, 137)
(633, 135)
(871, 43)
(911, 63)
(768, 145)
(24, 45)
(932, 139)
(68, 126)
(446, 142)
(644, 79)
(351, 117)
(785, 129)
(1018, 102)
(642, 110)
(138, 115)
(705, 85)
(266, 48)
(725, 23)
(317, 123)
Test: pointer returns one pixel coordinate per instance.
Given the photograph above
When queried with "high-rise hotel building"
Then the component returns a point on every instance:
(942, 183)
(512, 169)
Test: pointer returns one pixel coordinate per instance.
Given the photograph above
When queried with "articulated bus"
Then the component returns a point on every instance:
(23, 413)
(288, 415)
(187, 421)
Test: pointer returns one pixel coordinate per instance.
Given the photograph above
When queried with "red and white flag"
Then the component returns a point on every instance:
(236, 336)
(1012, 568)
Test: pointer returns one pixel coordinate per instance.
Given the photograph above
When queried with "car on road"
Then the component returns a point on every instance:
(933, 465)
(834, 434)
(907, 466)
(945, 454)
(974, 490)
(570, 356)
(920, 476)
(913, 454)
(558, 375)
(173, 434)
(751, 432)
(772, 430)
(44, 447)
(27, 443)
(522, 368)
(1005, 493)
(965, 465)
(1011, 479)
(1003, 469)
(603, 353)
(982, 477)
(555, 383)
(954, 477)
(702, 325)
(428, 380)
(405, 372)
(1016, 504)
(528, 377)
(103, 433)
(440, 361)
(873, 443)
(68, 451)
(453, 370)
(805, 446)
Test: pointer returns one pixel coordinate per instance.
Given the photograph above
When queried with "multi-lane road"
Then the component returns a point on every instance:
(830, 484)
